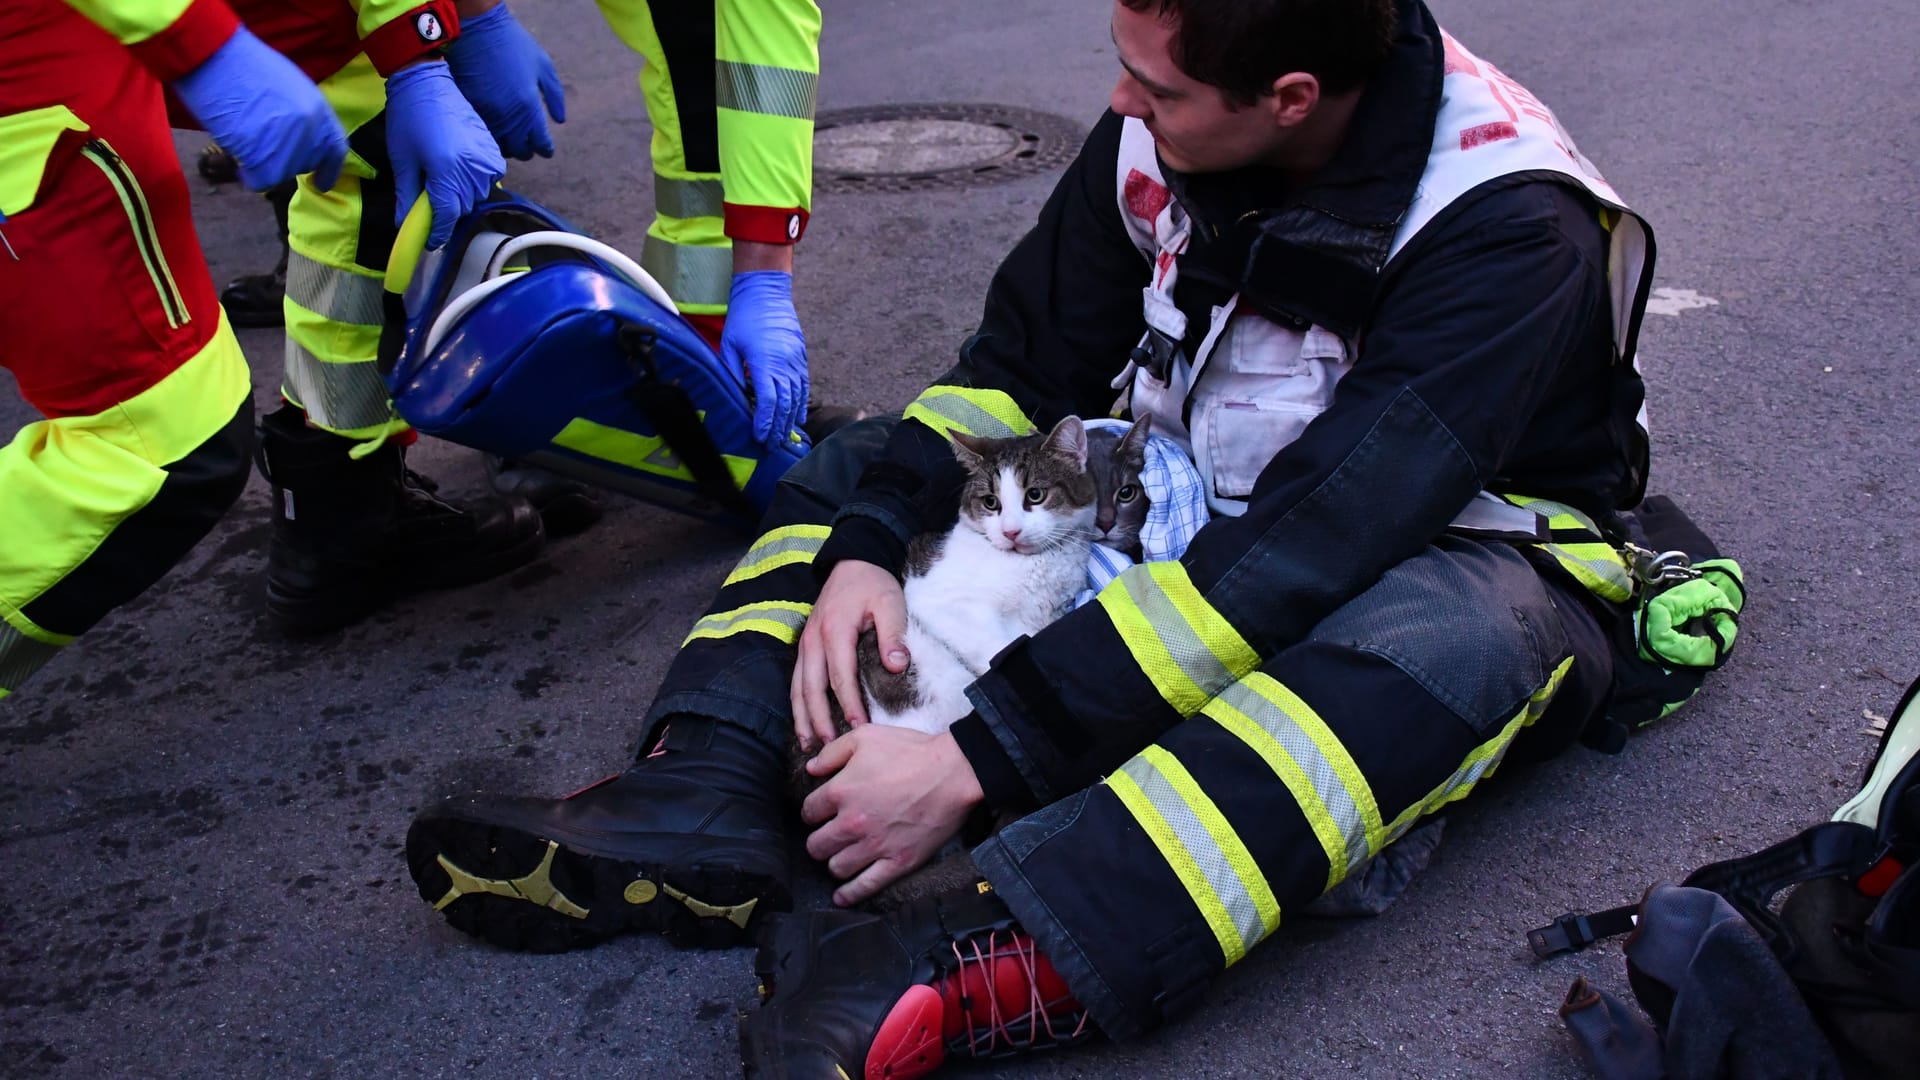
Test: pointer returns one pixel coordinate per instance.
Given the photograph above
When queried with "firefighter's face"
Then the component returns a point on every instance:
(1195, 127)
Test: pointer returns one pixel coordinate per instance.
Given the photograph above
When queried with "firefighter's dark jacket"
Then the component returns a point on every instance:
(1486, 362)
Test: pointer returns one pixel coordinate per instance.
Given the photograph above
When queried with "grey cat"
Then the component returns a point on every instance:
(1120, 500)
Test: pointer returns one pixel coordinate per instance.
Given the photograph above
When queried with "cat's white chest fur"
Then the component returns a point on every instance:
(973, 601)
(976, 598)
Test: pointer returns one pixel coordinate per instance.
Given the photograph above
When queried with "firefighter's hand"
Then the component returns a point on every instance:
(895, 797)
(857, 596)
(266, 113)
(438, 143)
(763, 339)
(510, 80)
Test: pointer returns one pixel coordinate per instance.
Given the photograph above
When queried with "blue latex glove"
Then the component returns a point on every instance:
(763, 337)
(436, 141)
(266, 113)
(505, 73)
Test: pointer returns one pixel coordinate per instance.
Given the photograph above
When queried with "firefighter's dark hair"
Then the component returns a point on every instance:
(1242, 46)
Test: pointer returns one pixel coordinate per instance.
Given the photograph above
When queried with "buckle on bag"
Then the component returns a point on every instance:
(1658, 570)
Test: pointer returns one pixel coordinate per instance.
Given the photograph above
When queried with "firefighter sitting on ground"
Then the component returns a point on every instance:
(1366, 279)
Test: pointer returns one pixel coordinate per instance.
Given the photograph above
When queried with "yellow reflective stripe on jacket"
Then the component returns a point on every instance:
(1484, 759)
(1326, 783)
(131, 21)
(766, 70)
(984, 414)
(781, 620)
(26, 142)
(1189, 651)
(1581, 549)
(647, 453)
(777, 548)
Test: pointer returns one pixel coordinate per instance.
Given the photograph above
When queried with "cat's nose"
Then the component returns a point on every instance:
(1011, 532)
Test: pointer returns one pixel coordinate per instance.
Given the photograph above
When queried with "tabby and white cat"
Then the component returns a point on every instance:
(1010, 565)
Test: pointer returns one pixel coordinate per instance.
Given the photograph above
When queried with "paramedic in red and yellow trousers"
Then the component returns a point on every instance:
(107, 318)
(1367, 281)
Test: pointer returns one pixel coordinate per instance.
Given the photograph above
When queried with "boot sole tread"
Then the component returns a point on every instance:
(522, 891)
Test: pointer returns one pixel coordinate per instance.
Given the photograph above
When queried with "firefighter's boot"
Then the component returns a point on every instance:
(351, 535)
(850, 994)
(689, 842)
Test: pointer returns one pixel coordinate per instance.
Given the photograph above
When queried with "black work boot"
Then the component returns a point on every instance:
(854, 994)
(689, 842)
(566, 505)
(351, 535)
(823, 420)
(256, 300)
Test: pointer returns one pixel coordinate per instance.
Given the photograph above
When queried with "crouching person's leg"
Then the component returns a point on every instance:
(691, 840)
(1113, 909)
(99, 506)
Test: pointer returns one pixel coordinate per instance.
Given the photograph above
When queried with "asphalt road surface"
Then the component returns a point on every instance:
(200, 823)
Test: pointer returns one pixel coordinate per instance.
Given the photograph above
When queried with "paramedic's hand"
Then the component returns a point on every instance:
(507, 76)
(266, 113)
(857, 595)
(899, 795)
(763, 337)
(437, 142)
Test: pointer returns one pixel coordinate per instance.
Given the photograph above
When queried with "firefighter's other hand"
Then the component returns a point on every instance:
(896, 795)
(858, 596)
(266, 113)
(763, 338)
(510, 80)
(437, 142)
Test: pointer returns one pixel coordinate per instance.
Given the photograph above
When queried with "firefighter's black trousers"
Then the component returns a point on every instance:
(1144, 886)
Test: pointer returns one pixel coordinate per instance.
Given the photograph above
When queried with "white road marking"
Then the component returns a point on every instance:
(1675, 301)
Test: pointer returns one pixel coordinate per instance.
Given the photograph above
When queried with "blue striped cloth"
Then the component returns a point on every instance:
(1177, 508)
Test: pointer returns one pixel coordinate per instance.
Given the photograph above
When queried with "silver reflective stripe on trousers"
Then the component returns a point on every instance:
(334, 293)
(687, 198)
(20, 657)
(1301, 750)
(771, 91)
(343, 397)
(691, 275)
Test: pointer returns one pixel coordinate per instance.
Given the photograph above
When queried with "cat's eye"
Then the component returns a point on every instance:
(1036, 496)
(990, 503)
(1126, 494)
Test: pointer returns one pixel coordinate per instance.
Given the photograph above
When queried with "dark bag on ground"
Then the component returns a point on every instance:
(1736, 984)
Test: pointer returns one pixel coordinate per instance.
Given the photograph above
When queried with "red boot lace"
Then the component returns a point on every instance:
(1003, 996)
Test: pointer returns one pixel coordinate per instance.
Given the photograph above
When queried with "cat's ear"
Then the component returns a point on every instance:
(970, 449)
(1134, 446)
(1069, 440)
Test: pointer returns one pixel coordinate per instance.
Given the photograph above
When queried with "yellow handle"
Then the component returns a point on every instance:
(408, 245)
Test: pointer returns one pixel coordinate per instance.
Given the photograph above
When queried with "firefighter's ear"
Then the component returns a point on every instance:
(1295, 96)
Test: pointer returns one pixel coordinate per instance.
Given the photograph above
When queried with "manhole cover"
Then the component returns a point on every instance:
(910, 147)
